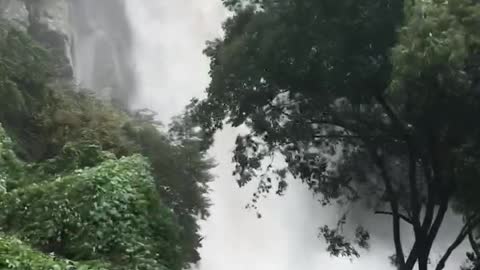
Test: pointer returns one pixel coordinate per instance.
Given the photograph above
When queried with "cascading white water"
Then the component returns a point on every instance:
(169, 39)
(166, 45)
(102, 47)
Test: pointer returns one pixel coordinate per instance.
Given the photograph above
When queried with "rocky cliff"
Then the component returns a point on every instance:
(91, 40)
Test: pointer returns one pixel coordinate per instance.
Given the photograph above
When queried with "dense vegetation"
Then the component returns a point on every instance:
(17, 255)
(366, 100)
(86, 185)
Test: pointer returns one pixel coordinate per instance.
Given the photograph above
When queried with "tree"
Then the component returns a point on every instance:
(364, 99)
(181, 171)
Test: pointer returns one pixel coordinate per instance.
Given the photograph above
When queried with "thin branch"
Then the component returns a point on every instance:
(431, 176)
(394, 206)
(413, 256)
(451, 248)
(405, 218)
(430, 207)
(432, 234)
(414, 198)
(461, 236)
(444, 191)
(341, 136)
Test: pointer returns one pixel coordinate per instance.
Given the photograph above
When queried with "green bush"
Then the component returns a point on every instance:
(16, 255)
(110, 212)
(71, 117)
(72, 157)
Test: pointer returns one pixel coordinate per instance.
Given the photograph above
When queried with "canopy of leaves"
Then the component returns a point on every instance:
(181, 172)
(365, 99)
(298, 73)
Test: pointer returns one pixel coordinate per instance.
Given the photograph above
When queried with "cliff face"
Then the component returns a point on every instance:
(91, 40)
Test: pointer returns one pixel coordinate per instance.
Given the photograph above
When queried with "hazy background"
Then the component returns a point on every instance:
(169, 36)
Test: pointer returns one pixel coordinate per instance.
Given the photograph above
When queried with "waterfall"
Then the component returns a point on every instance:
(102, 48)
(169, 39)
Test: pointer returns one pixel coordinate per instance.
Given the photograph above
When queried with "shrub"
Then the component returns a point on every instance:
(16, 255)
(110, 212)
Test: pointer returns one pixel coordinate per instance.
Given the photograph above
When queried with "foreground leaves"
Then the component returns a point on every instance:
(14, 254)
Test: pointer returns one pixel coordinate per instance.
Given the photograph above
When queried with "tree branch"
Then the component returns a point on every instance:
(394, 206)
(432, 234)
(466, 229)
(405, 218)
(413, 256)
(422, 253)
(430, 208)
(414, 198)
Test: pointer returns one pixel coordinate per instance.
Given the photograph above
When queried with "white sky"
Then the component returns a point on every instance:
(170, 36)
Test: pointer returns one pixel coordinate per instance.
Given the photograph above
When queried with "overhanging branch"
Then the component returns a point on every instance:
(405, 218)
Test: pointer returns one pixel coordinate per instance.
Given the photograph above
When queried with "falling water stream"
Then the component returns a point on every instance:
(102, 47)
(155, 59)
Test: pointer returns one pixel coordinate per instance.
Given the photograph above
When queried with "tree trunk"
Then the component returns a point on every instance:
(423, 262)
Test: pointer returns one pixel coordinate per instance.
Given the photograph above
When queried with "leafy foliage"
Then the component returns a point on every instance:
(181, 175)
(107, 212)
(68, 143)
(10, 166)
(14, 254)
(71, 117)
